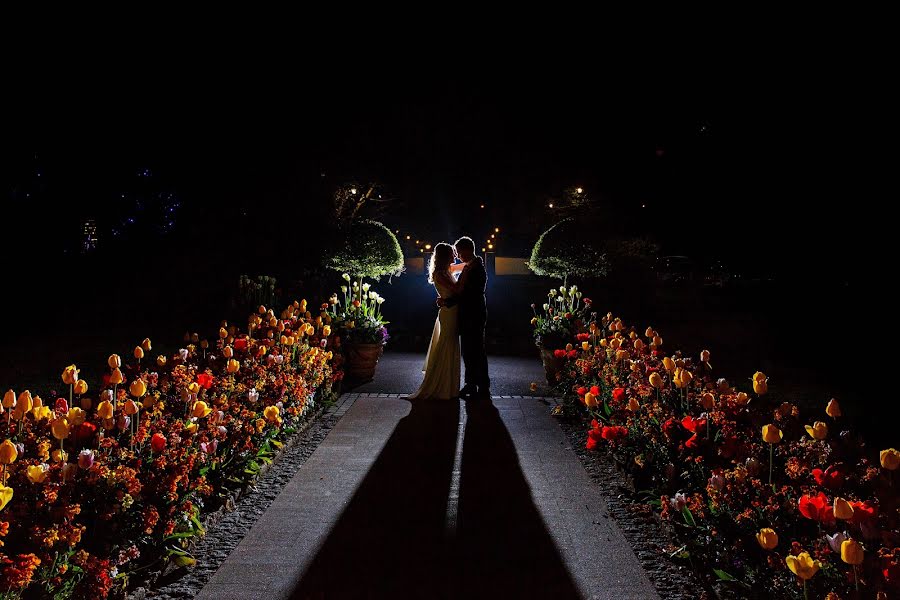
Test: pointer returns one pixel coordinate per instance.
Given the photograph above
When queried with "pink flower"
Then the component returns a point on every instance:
(209, 447)
(86, 459)
(717, 482)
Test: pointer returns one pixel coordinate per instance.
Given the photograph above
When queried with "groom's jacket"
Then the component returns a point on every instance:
(471, 300)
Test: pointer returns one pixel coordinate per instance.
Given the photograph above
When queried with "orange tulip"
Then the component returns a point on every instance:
(890, 459)
(852, 552)
(833, 409)
(81, 387)
(668, 364)
(8, 453)
(771, 434)
(655, 380)
(138, 352)
(114, 361)
(9, 399)
(232, 366)
(70, 375)
(116, 377)
(105, 410)
(146, 345)
(767, 538)
(60, 428)
(842, 509)
(160, 361)
(130, 407)
(138, 388)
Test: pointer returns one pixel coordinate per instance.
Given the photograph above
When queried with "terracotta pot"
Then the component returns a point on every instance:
(552, 365)
(362, 360)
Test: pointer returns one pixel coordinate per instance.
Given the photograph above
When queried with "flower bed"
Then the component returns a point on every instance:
(96, 489)
(757, 495)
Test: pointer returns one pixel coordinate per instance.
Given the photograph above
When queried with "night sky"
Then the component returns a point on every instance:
(774, 173)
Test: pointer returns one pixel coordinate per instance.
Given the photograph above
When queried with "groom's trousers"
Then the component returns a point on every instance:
(471, 341)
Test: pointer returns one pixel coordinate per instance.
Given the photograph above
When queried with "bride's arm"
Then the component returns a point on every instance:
(455, 286)
(457, 268)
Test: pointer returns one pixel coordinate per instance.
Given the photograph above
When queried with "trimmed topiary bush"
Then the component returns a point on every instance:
(569, 248)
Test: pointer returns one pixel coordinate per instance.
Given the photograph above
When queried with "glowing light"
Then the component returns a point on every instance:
(482, 206)
(493, 236)
(578, 190)
(428, 246)
(417, 242)
(484, 249)
(550, 205)
(407, 237)
(353, 190)
(491, 246)
(496, 230)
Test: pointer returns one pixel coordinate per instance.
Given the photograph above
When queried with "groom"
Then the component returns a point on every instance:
(472, 319)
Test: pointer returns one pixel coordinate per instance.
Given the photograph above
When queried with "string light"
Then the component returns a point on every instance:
(551, 205)
(492, 236)
(482, 206)
(491, 246)
(496, 230)
(407, 237)
(428, 246)
(578, 190)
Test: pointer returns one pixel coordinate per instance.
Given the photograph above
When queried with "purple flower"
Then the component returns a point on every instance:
(835, 541)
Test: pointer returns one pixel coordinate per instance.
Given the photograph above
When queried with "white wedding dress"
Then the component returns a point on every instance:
(442, 366)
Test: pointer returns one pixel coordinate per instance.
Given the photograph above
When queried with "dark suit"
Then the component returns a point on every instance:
(472, 320)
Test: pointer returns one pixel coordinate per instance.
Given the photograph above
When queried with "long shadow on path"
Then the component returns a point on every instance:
(392, 540)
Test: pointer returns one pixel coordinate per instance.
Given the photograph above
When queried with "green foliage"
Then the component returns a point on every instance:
(369, 249)
(569, 248)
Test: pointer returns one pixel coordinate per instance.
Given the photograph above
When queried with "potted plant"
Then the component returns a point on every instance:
(556, 324)
(370, 250)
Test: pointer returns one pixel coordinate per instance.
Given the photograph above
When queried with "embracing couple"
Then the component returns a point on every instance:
(460, 322)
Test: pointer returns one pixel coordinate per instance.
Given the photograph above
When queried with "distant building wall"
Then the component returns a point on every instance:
(498, 266)
(510, 266)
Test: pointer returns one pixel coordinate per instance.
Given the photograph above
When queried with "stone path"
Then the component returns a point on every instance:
(436, 500)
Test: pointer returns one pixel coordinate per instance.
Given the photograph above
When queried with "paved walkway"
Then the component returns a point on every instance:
(436, 500)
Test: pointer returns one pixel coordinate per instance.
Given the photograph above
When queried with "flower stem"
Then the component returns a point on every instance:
(805, 595)
(771, 457)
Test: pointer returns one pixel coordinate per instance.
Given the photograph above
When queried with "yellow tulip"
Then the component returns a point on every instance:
(130, 407)
(60, 428)
(232, 366)
(633, 404)
(38, 401)
(657, 341)
(620, 355)
(191, 427)
(8, 453)
(759, 376)
(160, 361)
(146, 345)
(668, 364)
(638, 344)
(842, 509)
(70, 375)
(767, 538)
(105, 410)
(771, 434)
(116, 377)
(852, 552)
(890, 459)
(41, 412)
(76, 416)
(655, 380)
(193, 387)
(326, 331)
(590, 400)
(25, 402)
(271, 413)
(114, 361)
(59, 455)
(9, 399)
(81, 387)
(585, 346)
(223, 333)
(227, 352)
(833, 409)
(760, 387)
(138, 388)
(138, 352)
(742, 398)
(6, 494)
(802, 565)
(200, 409)
(534, 320)
(615, 343)
(817, 431)
(37, 473)
(649, 333)
(604, 343)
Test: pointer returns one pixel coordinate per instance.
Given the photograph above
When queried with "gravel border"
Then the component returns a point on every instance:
(636, 520)
(228, 526)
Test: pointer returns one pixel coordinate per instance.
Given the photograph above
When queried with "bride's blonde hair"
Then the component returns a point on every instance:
(441, 259)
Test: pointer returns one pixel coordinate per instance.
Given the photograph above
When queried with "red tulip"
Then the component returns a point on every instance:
(594, 436)
(559, 353)
(205, 380)
(692, 442)
(863, 511)
(582, 391)
(618, 394)
(240, 344)
(831, 477)
(157, 442)
(595, 390)
(61, 406)
(85, 432)
(817, 508)
(614, 433)
(693, 425)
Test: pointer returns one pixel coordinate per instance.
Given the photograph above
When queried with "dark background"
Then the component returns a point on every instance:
(781, 171)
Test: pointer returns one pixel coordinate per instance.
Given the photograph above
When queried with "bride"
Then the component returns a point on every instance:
(442, 367)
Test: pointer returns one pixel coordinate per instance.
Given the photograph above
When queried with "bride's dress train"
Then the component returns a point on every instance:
(442, 366)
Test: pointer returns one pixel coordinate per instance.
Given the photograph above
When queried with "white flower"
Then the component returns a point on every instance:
(836, 540)
(253, 395)
(355, 286)
(346, 277)
(279, 359)
(379, 300)
(344, 289)
(372, 295)
(546, 307)
(366, 287)
(184, 353)
(553, 293)
(679, 501)
(562, 290)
